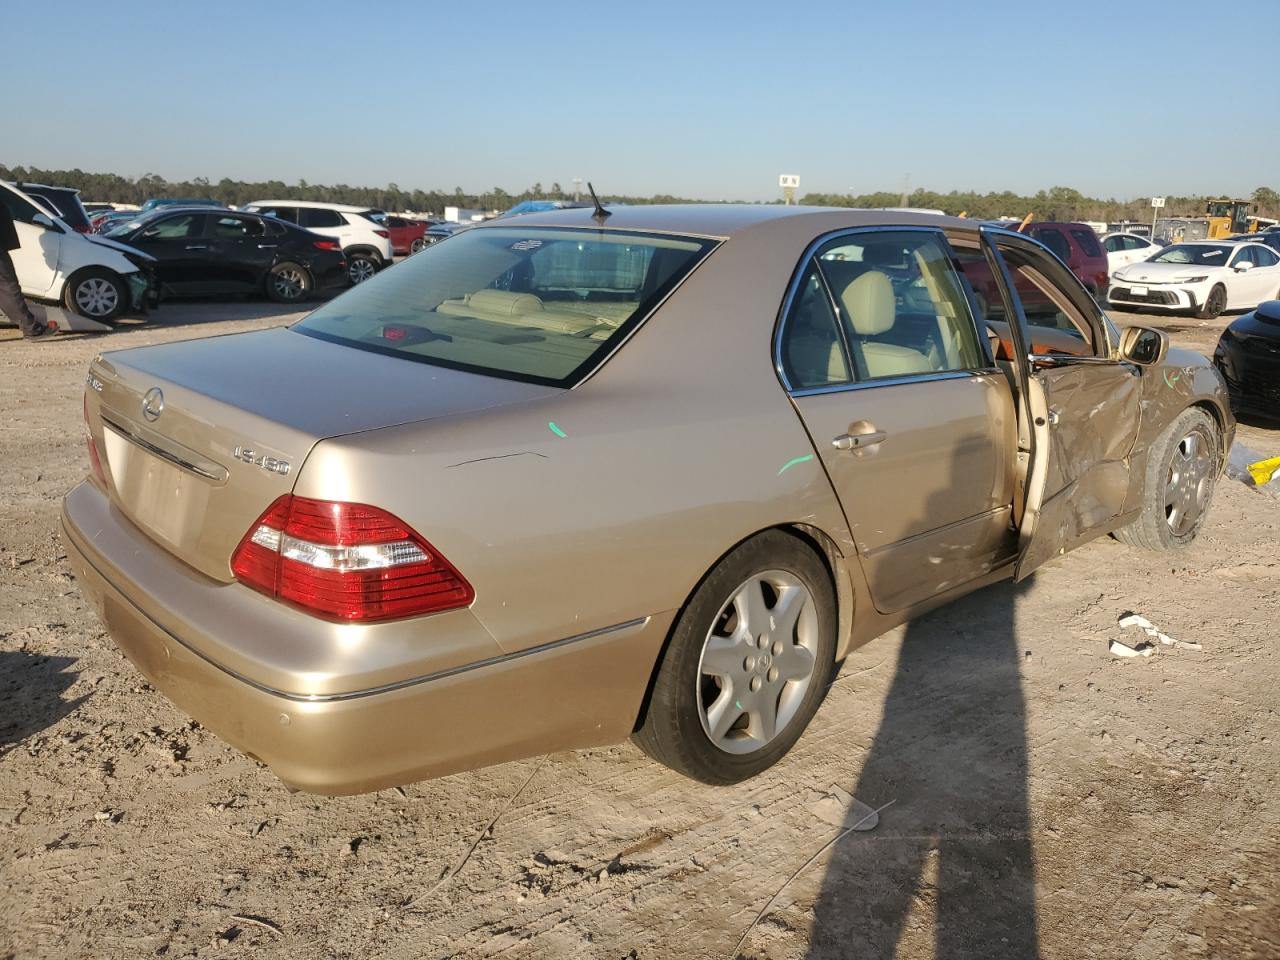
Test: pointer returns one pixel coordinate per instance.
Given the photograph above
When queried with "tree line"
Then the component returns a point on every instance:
(1057, 203)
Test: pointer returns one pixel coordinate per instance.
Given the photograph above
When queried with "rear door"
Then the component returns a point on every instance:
(912, 420)
(245, 252)
(1083, 404)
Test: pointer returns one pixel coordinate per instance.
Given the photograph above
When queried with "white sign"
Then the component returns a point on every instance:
(789, 180)
(1157, 201)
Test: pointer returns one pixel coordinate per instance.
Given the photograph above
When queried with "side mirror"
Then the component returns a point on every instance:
(1143, 346)
(1243, 266)
(40, 220)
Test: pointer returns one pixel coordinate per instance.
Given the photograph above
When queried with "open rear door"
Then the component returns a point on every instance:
(1039, 535)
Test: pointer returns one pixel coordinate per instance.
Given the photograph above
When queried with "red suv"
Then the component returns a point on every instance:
(1077, 246)
(406, 234)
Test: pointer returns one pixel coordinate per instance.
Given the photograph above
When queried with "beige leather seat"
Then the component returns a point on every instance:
(872, 310)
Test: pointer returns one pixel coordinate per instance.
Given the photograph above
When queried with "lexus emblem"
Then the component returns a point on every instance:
(153, 404)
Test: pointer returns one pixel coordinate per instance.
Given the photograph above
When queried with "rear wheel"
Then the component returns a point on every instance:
(748, 663)
(96, 293)
(362, 266)
(1181, 474)
(288, 283)
(417, 245)
(1214, 304)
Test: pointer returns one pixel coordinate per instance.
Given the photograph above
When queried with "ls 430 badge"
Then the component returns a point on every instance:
(269, 464)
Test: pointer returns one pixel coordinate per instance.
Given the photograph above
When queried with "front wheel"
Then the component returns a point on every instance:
(417, 245)
(1214, 304)
(1182, 470)
(96, 293)
(748, 663)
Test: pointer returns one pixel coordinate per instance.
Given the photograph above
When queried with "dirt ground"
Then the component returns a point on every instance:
(1043, 797)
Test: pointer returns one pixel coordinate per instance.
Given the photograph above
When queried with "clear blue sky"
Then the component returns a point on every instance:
(704, 99)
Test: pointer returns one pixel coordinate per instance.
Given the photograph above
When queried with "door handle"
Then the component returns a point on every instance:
(198, 246)
(859, 441)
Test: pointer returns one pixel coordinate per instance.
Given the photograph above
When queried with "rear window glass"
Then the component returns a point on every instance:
(1052, 238)
(537, 304)
(1088, 241)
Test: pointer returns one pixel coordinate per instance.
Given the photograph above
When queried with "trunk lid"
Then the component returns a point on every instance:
(198, 437)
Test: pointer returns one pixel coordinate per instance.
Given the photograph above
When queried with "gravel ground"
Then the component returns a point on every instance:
(1042, 796)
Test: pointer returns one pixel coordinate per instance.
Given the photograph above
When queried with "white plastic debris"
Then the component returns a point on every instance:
(1151, 630)
(1143, 649)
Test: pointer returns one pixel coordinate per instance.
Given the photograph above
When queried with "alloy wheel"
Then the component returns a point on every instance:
(290, 284)
(757, 662)
(361, 269)
(97, 297)
(1189, 482)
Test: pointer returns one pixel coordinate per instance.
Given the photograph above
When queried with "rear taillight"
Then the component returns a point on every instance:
(382, 233)
(326, 245)
(81, 228)
(346, 561)
(95, 461)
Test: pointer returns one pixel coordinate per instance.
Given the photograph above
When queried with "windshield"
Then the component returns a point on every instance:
(1201, 254)
(537, 304)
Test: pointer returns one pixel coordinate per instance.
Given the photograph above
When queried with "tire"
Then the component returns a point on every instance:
(362, 266)
(417, 246)
(1214, 304)
(696, 722)
(289, 283)
(1177, 478)
(96, 293)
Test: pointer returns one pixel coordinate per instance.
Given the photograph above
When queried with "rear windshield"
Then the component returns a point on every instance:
(1088, 241)
(542, 305)
(1201, 254)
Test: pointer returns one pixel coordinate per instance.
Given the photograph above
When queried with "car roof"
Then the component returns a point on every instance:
(723, 220)
(317, 204)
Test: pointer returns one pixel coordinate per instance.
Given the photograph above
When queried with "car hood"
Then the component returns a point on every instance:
(117, 245)
(1158, 272)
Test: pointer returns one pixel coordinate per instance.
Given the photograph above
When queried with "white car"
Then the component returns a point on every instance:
(1206, 276)
(96, 279)
(1126, 248)
(366, 241)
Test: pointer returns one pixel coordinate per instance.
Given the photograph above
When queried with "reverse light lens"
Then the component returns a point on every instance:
(346, 561)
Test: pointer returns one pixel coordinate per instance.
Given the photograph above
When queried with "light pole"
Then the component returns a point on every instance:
(577, 188)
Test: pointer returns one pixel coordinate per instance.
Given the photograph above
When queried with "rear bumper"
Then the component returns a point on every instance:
(581, 691)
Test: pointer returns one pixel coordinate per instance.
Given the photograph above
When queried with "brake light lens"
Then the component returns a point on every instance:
(95, 461)
(346, 561)
(326, 245)
(382, 233)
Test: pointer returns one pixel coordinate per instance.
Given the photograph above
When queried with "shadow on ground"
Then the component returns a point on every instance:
(31, 694)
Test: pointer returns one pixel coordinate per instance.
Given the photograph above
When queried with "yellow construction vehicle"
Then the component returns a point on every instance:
(1227, 216)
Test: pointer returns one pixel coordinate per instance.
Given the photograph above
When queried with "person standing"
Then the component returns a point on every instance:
(12, 304)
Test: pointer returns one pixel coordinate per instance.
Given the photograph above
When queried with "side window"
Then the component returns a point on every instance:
(282, 213)
(236, 228)
(1242, 255)
(1264, 258)
(1052, 238)
(1115, 244)
(21, 210)
(176, 228)
(901, 303)
(1088, 241)
(1054, 304)
(813, 351)
(318, 217)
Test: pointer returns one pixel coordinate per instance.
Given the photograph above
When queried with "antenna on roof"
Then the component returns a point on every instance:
(600, 214)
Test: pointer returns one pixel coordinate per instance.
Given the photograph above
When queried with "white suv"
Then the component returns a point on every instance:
(366, 241)
(95, 278)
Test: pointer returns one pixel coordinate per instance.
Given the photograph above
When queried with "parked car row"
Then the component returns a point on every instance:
(1205, 277)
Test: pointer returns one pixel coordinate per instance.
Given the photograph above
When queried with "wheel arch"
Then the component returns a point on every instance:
(833, 561)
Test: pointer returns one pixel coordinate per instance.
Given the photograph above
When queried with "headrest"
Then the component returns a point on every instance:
(870, 304)
(504, 302)
(883, 255)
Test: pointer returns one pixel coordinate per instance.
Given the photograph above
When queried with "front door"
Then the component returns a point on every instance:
(1083, 403)
(181, 249)
(36, 259)
(912, 420)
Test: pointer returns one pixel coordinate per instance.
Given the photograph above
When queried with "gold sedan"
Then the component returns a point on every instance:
(572, 477)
